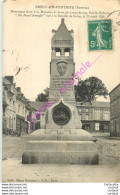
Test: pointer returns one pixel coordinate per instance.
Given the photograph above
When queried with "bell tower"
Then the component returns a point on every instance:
(62, 66)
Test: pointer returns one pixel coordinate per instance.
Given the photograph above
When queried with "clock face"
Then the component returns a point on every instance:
(61, 114)
(62, 68)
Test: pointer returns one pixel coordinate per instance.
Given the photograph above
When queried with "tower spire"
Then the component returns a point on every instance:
(62, 20)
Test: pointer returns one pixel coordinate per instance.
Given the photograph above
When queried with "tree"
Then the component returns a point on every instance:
(43, 97)
(87, 90)
(46, 91)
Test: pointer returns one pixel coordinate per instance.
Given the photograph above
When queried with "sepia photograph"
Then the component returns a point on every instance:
(61, 91)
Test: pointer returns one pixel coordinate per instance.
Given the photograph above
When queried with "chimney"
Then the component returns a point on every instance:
(72, 32)
(10, 79)
(18, 89)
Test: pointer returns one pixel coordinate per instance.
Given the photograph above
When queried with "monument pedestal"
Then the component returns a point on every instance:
(61, 149)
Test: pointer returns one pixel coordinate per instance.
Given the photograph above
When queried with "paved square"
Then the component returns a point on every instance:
(14, 171)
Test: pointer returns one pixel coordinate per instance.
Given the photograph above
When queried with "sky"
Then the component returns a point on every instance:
(27, 48)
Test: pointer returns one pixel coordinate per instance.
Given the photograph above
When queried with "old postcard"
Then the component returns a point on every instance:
(61, 91)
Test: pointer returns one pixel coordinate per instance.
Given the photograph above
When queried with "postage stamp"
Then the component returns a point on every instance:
(100, 35)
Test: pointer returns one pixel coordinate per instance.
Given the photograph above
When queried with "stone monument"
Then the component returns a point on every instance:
(62, 115)
(63, 140)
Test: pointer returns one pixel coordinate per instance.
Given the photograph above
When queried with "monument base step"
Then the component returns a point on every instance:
(83, 158)
(60, 146)
(60, 134)
(60, 152)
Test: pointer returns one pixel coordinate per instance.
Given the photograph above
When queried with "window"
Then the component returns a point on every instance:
(79, 109)
(97, 114)
(106, 126)
(67, 52)
(87, 127)
(97, 109)
(97, 126)
(18, 108)
(106, 116)
(87, 116)
(12, 122)
(87, 109)
(106, 110)
(23, 111)
(57, 51)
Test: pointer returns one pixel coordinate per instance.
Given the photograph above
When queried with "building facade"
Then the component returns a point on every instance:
(9, 105)
(115, 111)
(15, 109)
(40, 120)
(95, 116)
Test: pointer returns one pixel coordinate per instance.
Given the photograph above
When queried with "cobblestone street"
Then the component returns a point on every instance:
(108, 169)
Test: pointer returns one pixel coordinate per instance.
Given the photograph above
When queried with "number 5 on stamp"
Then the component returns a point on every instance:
(100, 35)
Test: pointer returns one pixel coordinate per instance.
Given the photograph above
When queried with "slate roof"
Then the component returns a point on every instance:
(115, 88)
(6, 81)
(101, 104)
(62, 32)
(37, 105)
(95, 104)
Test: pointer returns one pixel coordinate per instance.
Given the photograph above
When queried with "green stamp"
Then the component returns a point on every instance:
(100, 35)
